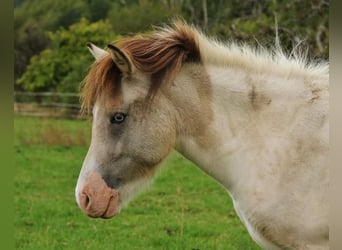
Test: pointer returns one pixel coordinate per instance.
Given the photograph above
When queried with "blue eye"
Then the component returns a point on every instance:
(118, 118)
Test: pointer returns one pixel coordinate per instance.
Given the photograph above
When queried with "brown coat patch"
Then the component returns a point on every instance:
(256, 98)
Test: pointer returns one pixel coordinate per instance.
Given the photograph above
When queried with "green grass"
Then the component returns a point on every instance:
(183, 209)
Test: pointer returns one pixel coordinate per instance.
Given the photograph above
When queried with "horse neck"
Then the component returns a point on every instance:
(222, 114)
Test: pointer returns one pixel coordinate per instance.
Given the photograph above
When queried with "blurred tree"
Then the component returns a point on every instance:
(253, 22)
(17, 3)
(306, 21)
(29, 40)
(33, 19)
(63, 67)
(98, 9)
(129, 17)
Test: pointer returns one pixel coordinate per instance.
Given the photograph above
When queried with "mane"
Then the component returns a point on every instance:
(162, 53)
(103, 77)
(259, 59)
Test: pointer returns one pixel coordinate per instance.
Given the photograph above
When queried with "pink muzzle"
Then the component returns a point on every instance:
(96, 199)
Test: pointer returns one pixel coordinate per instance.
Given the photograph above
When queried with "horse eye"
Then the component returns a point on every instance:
(118, 118)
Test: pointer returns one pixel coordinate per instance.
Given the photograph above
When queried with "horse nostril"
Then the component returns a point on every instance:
(85, 200)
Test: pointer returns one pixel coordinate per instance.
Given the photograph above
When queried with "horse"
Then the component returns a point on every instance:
(255, 120)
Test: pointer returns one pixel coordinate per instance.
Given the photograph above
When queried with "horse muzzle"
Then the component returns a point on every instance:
(95, 198)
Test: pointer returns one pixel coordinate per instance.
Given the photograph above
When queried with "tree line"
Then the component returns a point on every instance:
(50, 35)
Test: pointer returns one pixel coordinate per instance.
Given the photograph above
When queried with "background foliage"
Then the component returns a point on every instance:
(62, 65)
(50, 35)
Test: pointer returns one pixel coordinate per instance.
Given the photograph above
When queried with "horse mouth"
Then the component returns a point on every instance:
(96, 199)
(112, 209)
(104, 204)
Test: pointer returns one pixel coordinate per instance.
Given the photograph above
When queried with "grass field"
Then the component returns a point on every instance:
(183, 209)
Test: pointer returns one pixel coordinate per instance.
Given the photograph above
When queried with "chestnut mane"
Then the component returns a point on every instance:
(160, 55)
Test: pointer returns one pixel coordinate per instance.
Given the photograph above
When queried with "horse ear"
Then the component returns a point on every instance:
(121, 59)
(96, 51)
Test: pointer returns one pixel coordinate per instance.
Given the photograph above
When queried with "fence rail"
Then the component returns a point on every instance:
(47, 104)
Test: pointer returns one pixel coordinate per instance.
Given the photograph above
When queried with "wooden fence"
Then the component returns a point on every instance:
(47, 104)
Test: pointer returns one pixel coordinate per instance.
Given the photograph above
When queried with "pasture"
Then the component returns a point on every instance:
(183, 209)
